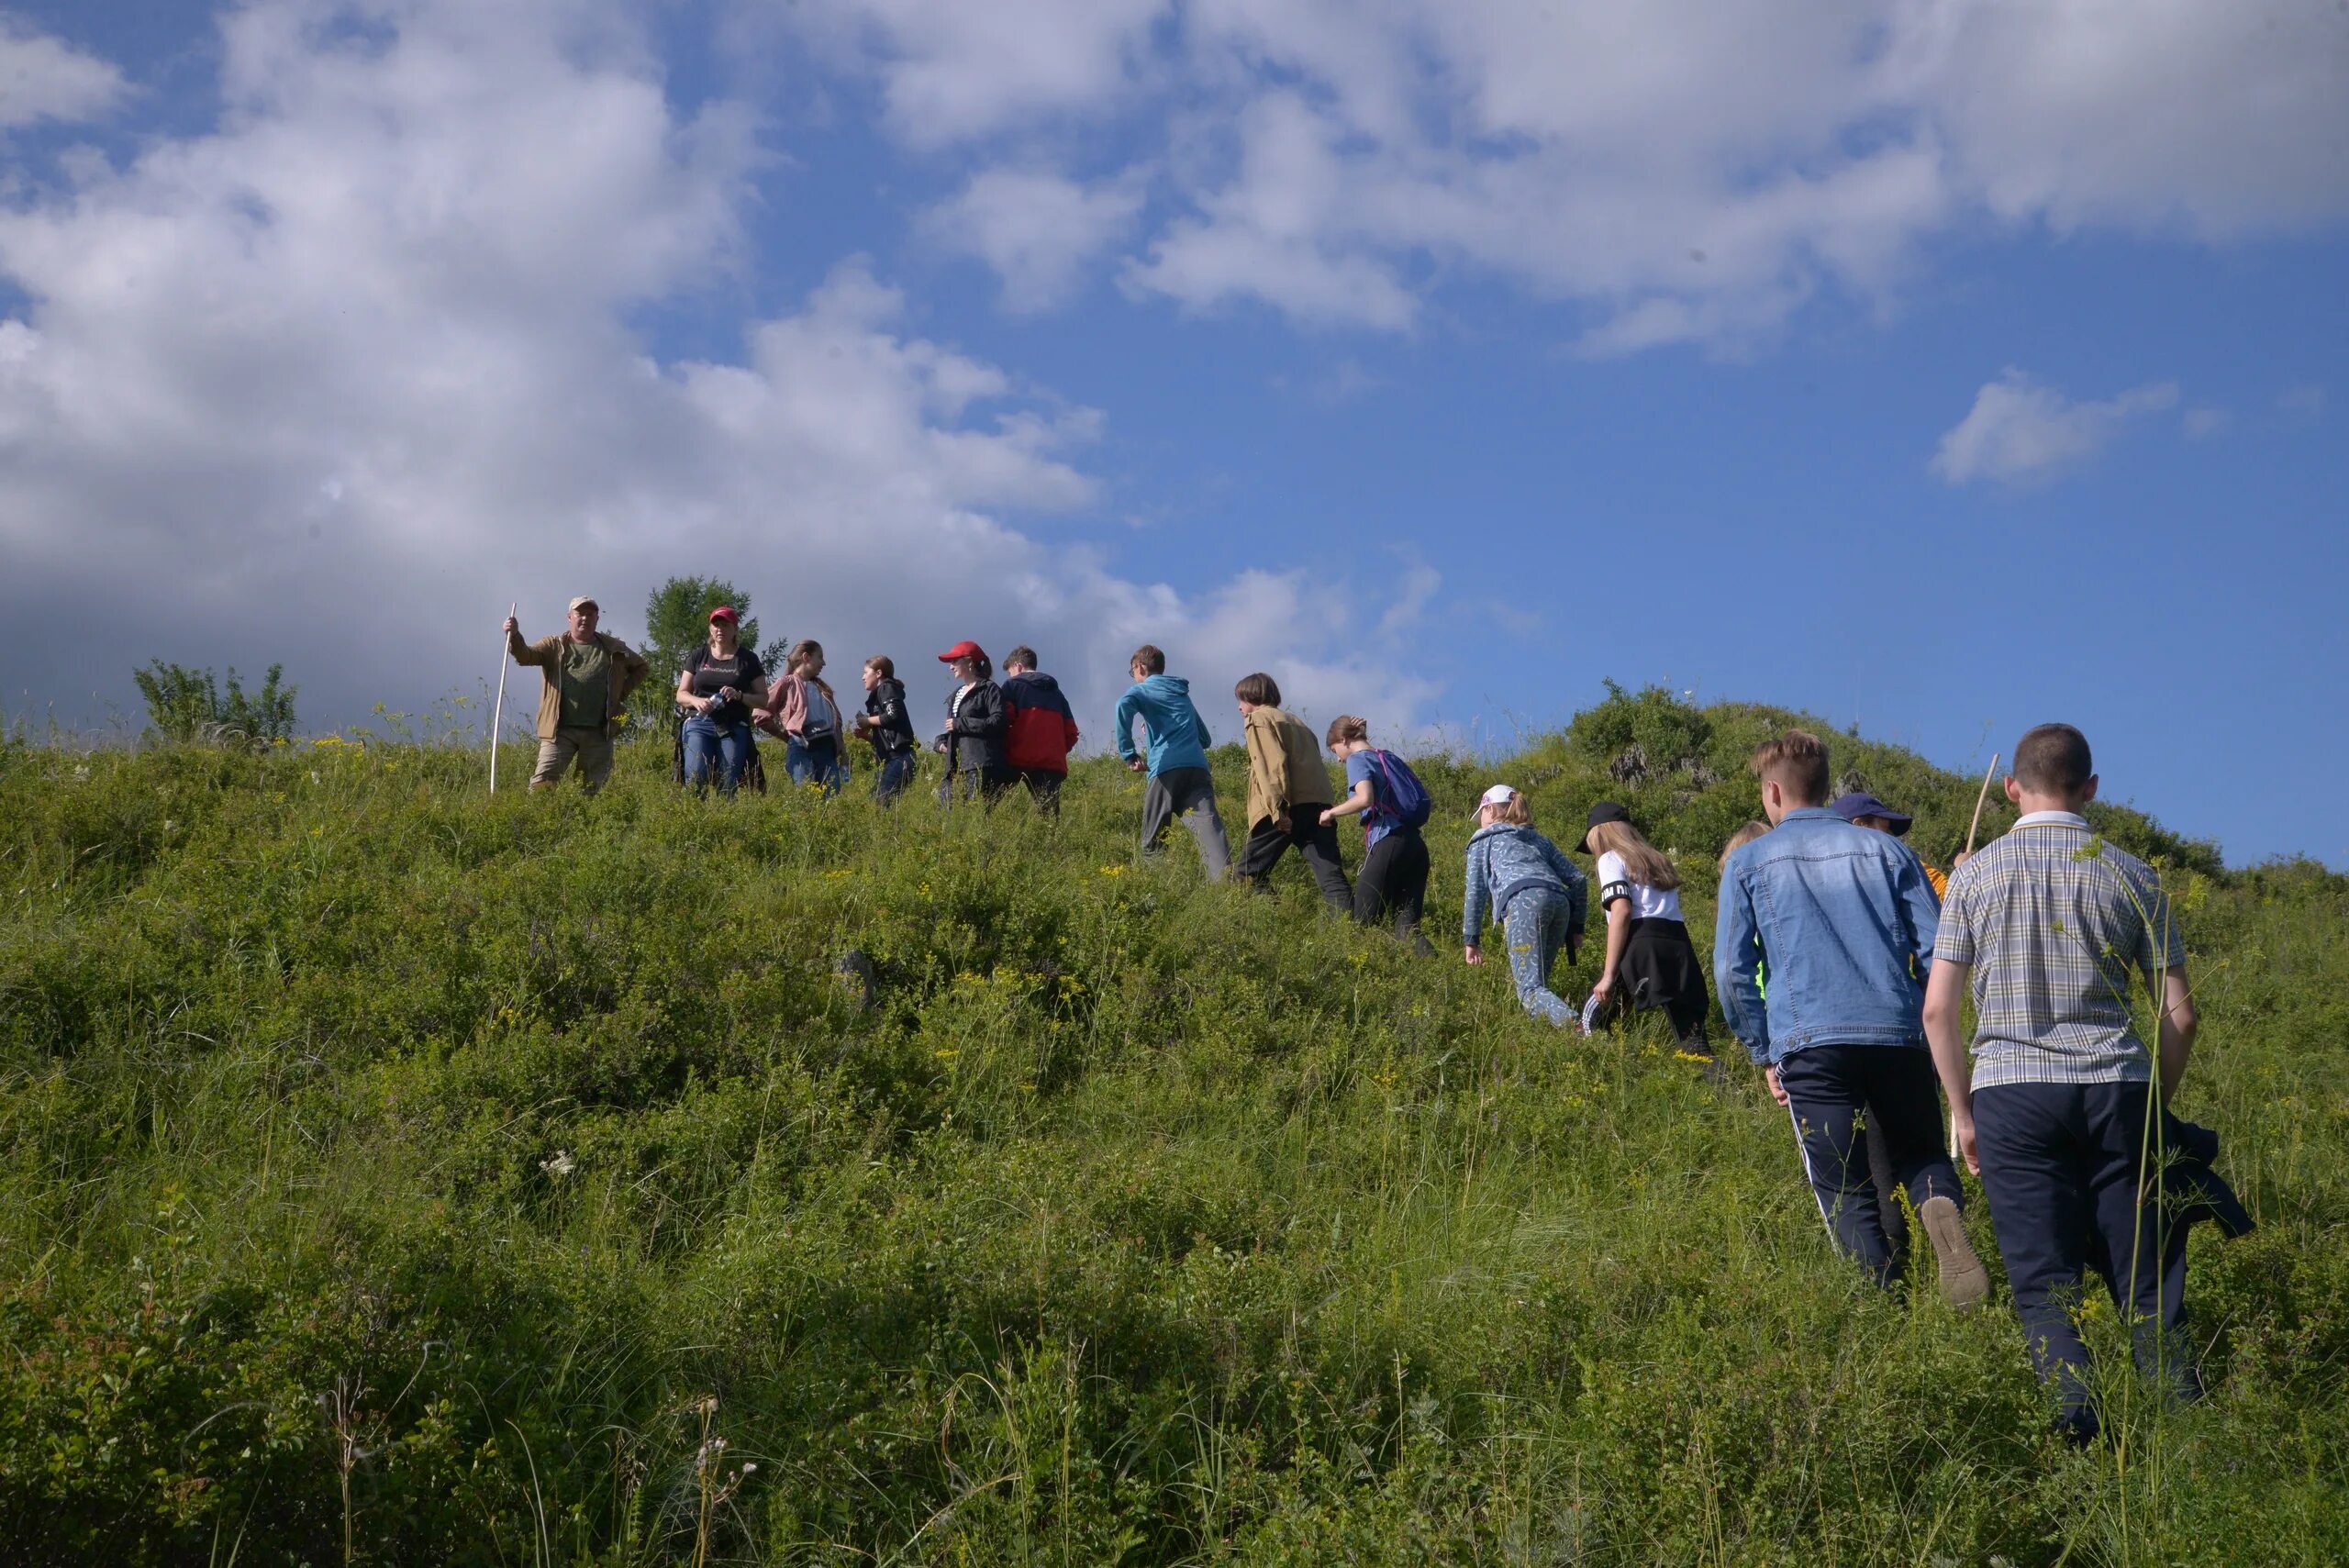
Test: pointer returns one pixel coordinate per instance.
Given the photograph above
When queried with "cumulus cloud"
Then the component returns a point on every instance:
(44, 79)
(1683, 170)
(2018, 432)
(1036, 229)
(335, 381)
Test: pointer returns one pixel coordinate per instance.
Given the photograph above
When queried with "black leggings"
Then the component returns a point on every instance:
(1394, 880)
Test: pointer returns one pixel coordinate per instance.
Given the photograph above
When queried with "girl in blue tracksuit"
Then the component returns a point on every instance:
(1539, 898)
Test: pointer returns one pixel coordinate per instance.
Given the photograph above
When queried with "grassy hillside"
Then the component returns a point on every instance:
(393, 1175)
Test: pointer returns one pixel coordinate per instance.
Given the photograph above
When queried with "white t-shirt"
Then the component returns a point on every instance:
(1647, 903)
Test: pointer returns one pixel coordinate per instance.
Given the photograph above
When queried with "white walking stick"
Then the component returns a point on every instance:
(1971, 828)
(1984, 795)
(497, 715)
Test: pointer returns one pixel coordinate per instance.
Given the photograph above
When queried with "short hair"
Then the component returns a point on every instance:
(1345, 727)
(1023, 656)
(1797, 761)
(883, 662)
(1150, 659)
(1742, 838)
(2053, 760)
(1259, 689)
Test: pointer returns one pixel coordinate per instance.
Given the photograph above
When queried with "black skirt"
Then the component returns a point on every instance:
(1661, 969)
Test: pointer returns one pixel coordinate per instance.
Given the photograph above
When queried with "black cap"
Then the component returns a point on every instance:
(1859, 803)
(1605, 811)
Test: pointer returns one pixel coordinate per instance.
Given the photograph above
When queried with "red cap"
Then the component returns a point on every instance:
(965, 649)
(724, 612)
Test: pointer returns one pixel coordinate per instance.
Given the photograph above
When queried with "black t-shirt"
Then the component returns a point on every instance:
(709, 674)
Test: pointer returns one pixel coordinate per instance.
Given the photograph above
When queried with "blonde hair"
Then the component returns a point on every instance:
(1513, 811)
(1798, 761)
(806, 652)
(1642, 862)
(1742, 838)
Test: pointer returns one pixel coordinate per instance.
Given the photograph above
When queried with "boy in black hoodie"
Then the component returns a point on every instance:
(885, 723)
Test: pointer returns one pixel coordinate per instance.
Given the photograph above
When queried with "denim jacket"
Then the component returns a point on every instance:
(1837, 913)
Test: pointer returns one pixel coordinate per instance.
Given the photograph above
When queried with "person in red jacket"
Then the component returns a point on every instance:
(1042, 731)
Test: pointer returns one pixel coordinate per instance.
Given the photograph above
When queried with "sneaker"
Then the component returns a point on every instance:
(1964, 1282)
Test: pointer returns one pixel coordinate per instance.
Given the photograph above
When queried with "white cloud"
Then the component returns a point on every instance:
(336, 380)
(42, 78)
(1036, 229)
(1683, 170)
(2303, 402)
(2202, 424)
(1419, 584)
(2019, 431)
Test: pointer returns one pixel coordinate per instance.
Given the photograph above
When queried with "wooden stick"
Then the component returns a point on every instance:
(1981, 797)
(497, 715)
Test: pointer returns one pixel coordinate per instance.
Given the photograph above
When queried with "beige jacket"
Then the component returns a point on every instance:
(1285, 766)
(629, 670)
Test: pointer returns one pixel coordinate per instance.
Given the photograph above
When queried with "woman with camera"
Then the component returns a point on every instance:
(715, 691)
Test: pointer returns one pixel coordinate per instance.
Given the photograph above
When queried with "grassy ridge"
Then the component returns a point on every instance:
(399, 1173)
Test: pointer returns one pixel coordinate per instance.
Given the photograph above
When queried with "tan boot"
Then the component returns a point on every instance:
(1964, 1282)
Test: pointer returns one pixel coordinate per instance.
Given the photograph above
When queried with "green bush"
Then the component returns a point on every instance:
(395, 1173)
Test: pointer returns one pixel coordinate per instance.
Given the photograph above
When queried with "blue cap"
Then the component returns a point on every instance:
(1859, 803)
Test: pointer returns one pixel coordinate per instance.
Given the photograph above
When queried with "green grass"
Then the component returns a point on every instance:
(385, 1164)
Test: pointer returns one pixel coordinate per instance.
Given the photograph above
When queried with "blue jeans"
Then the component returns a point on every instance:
(1535, 928)
(1829, 1088)
(890, 782)
(818, 762)
(725, 746)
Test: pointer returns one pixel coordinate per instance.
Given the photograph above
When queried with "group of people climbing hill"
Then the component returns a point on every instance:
(1842, 961)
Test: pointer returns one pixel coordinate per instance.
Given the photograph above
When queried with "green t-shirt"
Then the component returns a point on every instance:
(587, 686)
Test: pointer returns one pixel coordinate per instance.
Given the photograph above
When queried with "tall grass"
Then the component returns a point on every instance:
(520, 1180)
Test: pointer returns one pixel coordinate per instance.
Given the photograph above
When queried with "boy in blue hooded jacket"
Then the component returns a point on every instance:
(1180, 784)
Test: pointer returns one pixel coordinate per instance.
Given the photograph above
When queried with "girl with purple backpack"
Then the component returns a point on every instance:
(1393, 805)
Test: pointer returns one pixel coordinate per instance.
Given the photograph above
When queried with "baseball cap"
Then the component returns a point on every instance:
(1499, 795)
(1859, 803)
(725, 612)
(1605, 811)
(584, 603)
(965, 649)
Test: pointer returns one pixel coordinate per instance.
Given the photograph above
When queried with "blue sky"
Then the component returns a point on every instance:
(1939, 369)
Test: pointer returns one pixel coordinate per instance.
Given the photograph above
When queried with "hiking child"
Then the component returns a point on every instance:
(588, 679)
(1844, 921)
(803, 709)
(972, 741)
(1288, 789)
(1649, 961)
(1042, 730)
(1386, 795)
(1865, 810)
(2059, 1109)
(1539, 898)
(717, 688)
(1180, 784)
(888, 728)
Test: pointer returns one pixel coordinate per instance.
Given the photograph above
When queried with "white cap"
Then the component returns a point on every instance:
(1499, 795)
(584, 599)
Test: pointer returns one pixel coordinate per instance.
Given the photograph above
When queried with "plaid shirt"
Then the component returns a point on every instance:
(2057, 926)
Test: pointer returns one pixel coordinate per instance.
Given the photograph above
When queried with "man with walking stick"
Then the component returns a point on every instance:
(588, 679)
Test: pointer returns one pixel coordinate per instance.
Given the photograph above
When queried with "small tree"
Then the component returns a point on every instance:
(186, 703)
(676, 622)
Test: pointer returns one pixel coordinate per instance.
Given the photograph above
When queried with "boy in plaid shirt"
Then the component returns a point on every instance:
(2059, 1109)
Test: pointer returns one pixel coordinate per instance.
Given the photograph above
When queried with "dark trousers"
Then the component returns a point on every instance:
(2064, 1166)
(1317, 841)
(1394, 880)
(976, 784)
(1044, 788)
(1829, 1089)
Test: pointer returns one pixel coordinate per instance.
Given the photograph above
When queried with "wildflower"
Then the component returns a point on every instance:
(947, 1055)
(1113, 870)
(561, 1165)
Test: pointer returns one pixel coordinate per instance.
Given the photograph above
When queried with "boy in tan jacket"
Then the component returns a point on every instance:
(1289, 788)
